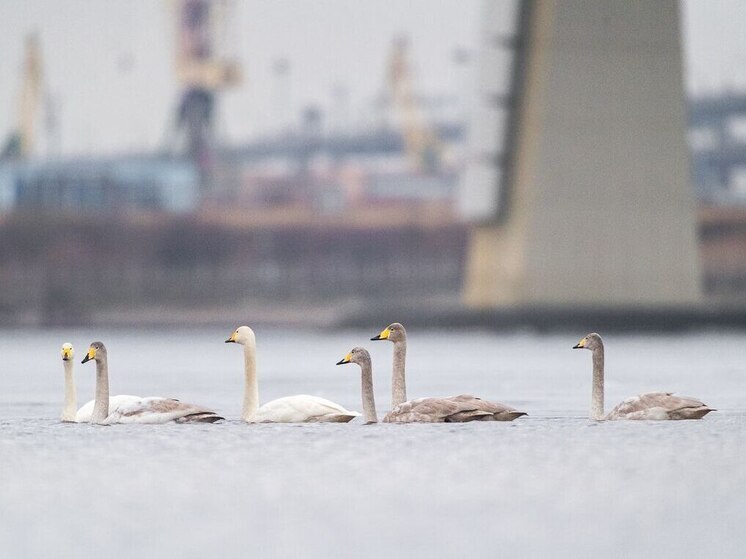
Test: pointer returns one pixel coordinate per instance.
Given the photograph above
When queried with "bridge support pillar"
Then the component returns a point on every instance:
(599, 208)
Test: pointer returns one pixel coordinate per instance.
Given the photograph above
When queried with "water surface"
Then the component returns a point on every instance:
(551, 484)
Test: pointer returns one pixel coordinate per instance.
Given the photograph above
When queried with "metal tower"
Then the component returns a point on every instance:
(203, 71)
(22, 141)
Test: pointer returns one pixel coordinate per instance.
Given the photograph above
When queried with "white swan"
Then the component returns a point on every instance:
(290, 409)
(138, 410)
(424, 409)
(70, 413)
(651, 405)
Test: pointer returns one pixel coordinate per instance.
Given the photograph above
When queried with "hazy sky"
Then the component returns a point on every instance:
(109, 63)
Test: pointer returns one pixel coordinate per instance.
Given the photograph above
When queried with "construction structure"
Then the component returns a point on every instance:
(202, 71)
(22, 141)
(420, 141)
(578, 183)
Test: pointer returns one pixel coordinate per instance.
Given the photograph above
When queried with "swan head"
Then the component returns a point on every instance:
(67, 352)
(394, 332)
(358, 355)
(242, 335)
(591, 341)
(97, 351)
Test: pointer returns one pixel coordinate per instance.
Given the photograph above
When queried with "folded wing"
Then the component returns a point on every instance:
(659, 405)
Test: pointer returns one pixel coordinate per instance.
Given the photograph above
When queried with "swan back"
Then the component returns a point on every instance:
(456, 409)
(159, 410)
(659, 405)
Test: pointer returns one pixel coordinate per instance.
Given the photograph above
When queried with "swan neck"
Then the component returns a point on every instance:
(369, 402)
(251, 385)
(70, 407)
(101, 404)
(597, 398)
(398, 382)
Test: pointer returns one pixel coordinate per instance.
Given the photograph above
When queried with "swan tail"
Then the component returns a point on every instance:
(468, 415)
(691, 413)
(508, 415)
(338, 417)
(200, 417)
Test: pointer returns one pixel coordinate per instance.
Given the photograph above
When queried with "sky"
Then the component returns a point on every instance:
(109, 64)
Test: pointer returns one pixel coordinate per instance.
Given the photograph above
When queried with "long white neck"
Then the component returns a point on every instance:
(70, 407)
(369, 401)
(597, 397)
(398, 382)
(251, 385)
(101, 405)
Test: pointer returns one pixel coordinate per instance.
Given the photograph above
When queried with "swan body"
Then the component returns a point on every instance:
(453, 409)
(152, 409)
(134, 409)
(456, 409)
(302, 409)
(658, 406)
(647, 406)
(290, 409)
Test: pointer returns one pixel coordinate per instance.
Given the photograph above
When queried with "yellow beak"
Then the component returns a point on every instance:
(384, 335)
(90, 355)
(580, 344)
(346, 359)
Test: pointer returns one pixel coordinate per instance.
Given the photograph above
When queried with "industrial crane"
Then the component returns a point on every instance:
(202, 71)
(22, 141)
(420, 140)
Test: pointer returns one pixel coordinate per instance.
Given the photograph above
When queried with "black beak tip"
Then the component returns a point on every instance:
(342, 362)
(375, 338)
(576, 346)
(229, 341)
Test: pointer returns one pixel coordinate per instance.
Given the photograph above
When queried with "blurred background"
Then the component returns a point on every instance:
(297, 162)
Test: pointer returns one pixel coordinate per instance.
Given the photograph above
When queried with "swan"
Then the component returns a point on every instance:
(138, 410)
(83, 415)
(290, 409)
(651, 405)
(422, 410)
(491, 411)
(361, 356)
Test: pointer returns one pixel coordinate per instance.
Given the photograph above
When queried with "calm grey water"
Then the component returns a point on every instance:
(553, 484)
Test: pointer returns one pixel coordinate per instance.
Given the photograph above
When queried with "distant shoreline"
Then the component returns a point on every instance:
(423, 314)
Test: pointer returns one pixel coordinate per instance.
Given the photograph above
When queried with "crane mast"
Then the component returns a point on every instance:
(22, 141)
(202, 71)
(420, 141)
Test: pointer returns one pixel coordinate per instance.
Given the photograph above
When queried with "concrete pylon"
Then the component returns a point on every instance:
(599, 208)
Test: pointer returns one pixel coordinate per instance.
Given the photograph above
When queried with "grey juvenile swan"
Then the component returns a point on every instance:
(138, 410)
(483, 410)
(650, 405)
(422, 410)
